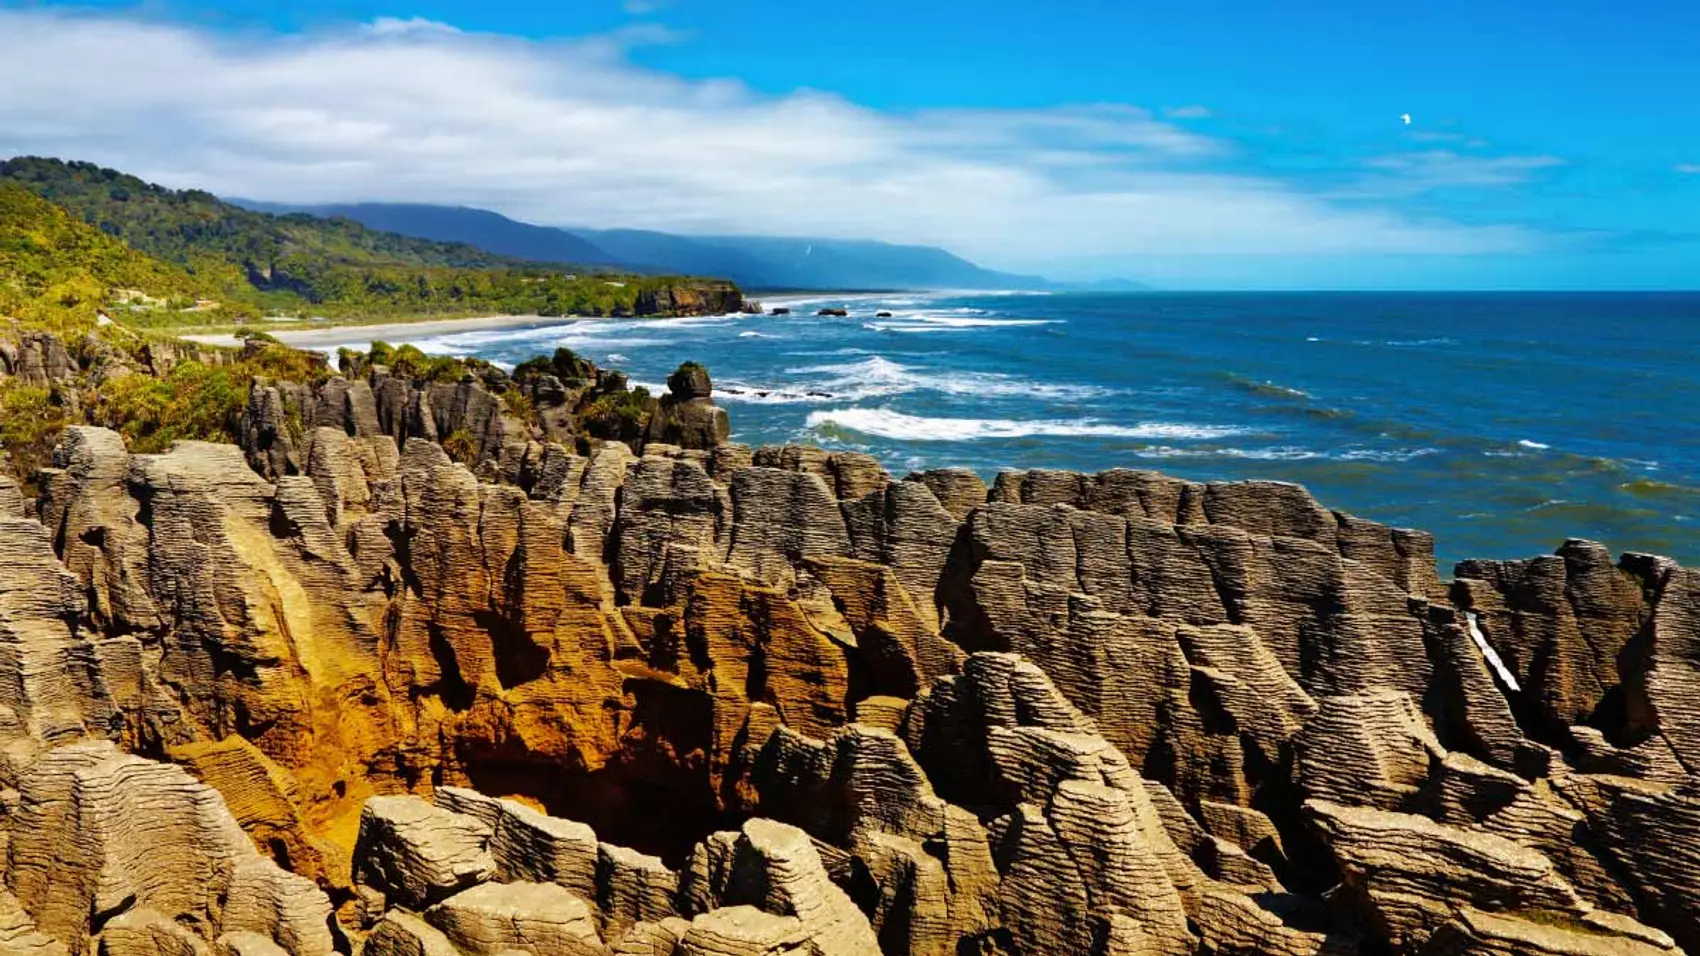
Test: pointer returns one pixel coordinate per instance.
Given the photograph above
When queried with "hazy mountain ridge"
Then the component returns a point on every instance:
(751, 261)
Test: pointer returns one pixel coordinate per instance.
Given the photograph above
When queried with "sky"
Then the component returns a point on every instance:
(1215, 144)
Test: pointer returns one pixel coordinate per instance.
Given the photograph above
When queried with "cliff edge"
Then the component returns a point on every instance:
(415, 668)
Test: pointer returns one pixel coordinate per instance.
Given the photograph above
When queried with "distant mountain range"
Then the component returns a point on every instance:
(754, 262)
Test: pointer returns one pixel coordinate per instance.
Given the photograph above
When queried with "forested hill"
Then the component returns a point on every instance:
(53, 266)
(299, 262)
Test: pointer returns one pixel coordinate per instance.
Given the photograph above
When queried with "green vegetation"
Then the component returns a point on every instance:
(194, 400)
(30, 420)
(460, 447)
(567, 365)
(57, 272)
(300, 264)
(617, 416)
(191, 401)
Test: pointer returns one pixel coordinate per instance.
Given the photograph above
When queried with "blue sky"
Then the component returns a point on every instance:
(1218, 144)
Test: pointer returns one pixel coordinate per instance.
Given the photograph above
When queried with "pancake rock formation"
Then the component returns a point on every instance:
(338, 690)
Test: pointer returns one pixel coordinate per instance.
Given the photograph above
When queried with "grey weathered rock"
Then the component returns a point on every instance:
(632, 887)
(530, 846)
(774, 867)
(540, 918)
(687, 416)
(99, 833)
(401, 933)
(418, 854)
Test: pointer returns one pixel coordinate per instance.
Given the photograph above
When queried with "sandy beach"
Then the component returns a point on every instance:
(318, 335)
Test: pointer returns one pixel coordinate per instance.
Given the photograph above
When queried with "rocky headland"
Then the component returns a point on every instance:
(454, 660)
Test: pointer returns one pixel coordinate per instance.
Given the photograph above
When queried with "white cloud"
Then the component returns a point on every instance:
(1187, 112)
(1436, 136)
(1688, 169)
(1410, 173)
(640, 8)
(397, 26)
(572, 132)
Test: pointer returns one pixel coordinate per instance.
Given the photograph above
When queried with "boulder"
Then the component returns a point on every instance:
(541, 918)
(417, 854)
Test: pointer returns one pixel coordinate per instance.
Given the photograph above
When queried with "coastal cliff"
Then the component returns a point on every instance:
(445, 659)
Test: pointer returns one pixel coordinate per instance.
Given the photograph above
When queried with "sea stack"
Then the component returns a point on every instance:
(687, 416)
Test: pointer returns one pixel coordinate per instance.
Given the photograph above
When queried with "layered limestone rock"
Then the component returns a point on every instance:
(774, 868)
(559, 695)
(37, 359)
(101, 843)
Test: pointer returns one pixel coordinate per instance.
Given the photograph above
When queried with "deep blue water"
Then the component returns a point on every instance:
(1503, 423)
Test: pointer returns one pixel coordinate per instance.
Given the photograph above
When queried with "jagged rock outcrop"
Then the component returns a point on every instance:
(494, 918)
(774, 868)
(677, 697)
(37, 359)
(686, 416)
(417, 854)
(103, 842)
(697, 297)
(1413, 876)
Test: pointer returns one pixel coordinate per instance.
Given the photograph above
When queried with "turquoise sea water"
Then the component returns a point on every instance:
(1503, 423)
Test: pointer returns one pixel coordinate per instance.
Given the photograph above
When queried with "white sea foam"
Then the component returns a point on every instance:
(886, 423)
(1537, 446)
(753, 334)
(1287, 453)
(874, 300)
(950, 323)
(617, 357)
(1413, 343)
(590, 334)
(879, 377)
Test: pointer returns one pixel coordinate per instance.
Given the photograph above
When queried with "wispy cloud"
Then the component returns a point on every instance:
(574, 132)
(1437, 136)
(399, 26)
(642, 8)
(1187, 112)
(1688, 169)
(1408, 173)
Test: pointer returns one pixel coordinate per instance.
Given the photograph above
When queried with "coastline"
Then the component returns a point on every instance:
(314, 334)
(322, 334)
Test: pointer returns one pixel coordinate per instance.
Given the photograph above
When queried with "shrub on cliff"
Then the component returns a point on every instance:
(460, 447)
(31, 418)
(192, 401)
(618, 416)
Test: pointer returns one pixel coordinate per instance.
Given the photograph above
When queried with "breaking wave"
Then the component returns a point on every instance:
(1289, 453)
(880, 377)
(886, 423)
(934, 322)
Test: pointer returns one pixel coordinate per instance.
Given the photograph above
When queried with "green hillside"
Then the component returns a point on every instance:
(300, 263)
(56, 270)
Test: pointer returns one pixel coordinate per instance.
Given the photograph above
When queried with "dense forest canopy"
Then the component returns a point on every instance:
(56, 269)
(252, 262)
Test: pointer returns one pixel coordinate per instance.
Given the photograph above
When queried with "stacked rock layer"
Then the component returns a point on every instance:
(349, 695)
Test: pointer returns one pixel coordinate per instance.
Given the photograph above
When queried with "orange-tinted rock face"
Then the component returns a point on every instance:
(758, 700)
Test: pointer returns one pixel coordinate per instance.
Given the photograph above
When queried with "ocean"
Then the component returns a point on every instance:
(1502, 423)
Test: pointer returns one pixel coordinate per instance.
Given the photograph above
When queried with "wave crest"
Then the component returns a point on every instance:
(886, 423)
